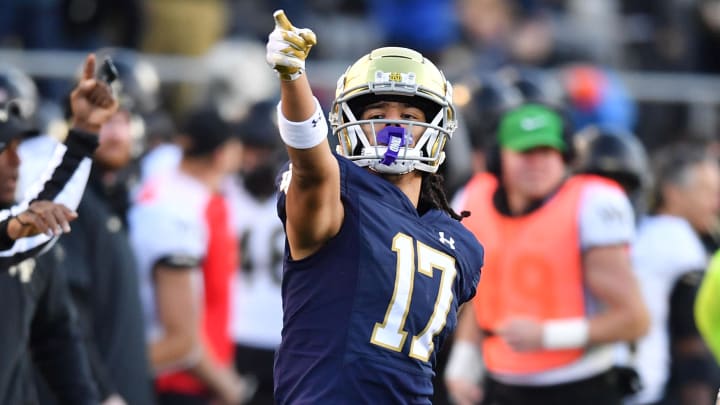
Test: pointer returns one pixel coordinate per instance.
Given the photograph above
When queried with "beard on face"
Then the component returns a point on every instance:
(260, 181)
(112, 155)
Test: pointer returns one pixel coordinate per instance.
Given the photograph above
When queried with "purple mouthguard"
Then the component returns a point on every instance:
(394, 137)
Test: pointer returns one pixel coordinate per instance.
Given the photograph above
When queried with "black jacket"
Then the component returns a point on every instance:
(39, 325)
(101, 270)
(36, 315)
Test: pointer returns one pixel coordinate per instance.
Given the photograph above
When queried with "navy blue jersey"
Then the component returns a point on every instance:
(365, 315)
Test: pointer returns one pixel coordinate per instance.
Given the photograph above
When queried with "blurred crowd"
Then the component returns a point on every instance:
(175, 262)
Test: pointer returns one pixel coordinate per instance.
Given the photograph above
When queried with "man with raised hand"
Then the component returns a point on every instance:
(37, 315)
(26, 227)
(376, 263)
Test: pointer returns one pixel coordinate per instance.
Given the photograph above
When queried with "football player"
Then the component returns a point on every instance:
(376, 262)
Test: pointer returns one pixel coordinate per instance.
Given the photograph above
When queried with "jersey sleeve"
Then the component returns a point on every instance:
(165, 237)
(606, 217)
(285, 177)
(471, 263)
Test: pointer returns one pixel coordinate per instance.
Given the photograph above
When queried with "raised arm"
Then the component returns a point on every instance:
(49, 206)
(313, 207)
(92, 104)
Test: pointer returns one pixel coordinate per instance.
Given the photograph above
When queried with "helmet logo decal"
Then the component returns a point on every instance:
(394, 138)
(404, 78)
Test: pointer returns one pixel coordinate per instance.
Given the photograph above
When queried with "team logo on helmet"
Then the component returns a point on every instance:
(393, 74)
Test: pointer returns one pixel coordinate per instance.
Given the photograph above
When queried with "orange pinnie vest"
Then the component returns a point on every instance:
(532, 269)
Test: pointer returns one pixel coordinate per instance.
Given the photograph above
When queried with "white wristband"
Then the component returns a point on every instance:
(305, 134)
(571, 333)
(465, 363)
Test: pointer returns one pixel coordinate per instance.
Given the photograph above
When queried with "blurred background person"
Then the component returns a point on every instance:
(44, 209)
(96, 258)
(257, 304)
(539, 346)
(39, 324)
(618, 155)
(181, 230)
(669, 259)
(161, 151)
(481, 100)
(535, 85)
(37, 303)
(667, 255)
(596, 96)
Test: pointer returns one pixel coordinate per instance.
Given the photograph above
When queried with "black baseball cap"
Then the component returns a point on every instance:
(207, 130)
(259, 126)
(13, 125)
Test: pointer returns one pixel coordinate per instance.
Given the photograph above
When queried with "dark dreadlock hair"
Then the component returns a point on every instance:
(432, 195)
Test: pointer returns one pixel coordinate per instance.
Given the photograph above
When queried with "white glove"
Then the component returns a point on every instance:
(287, 47)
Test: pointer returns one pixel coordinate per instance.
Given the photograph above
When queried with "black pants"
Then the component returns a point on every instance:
(258, 363)
(599, 390)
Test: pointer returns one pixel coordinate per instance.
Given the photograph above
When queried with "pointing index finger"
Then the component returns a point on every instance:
(89, 68)
(281, 20)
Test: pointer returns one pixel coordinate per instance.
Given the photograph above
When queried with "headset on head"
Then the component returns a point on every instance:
(492, 158)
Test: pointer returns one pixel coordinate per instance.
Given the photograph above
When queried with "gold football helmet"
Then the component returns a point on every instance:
(393, 74)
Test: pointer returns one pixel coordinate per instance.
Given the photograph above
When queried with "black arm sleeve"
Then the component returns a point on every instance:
(79, 145)
(56, 346)
(682, 302)
(691, 359)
